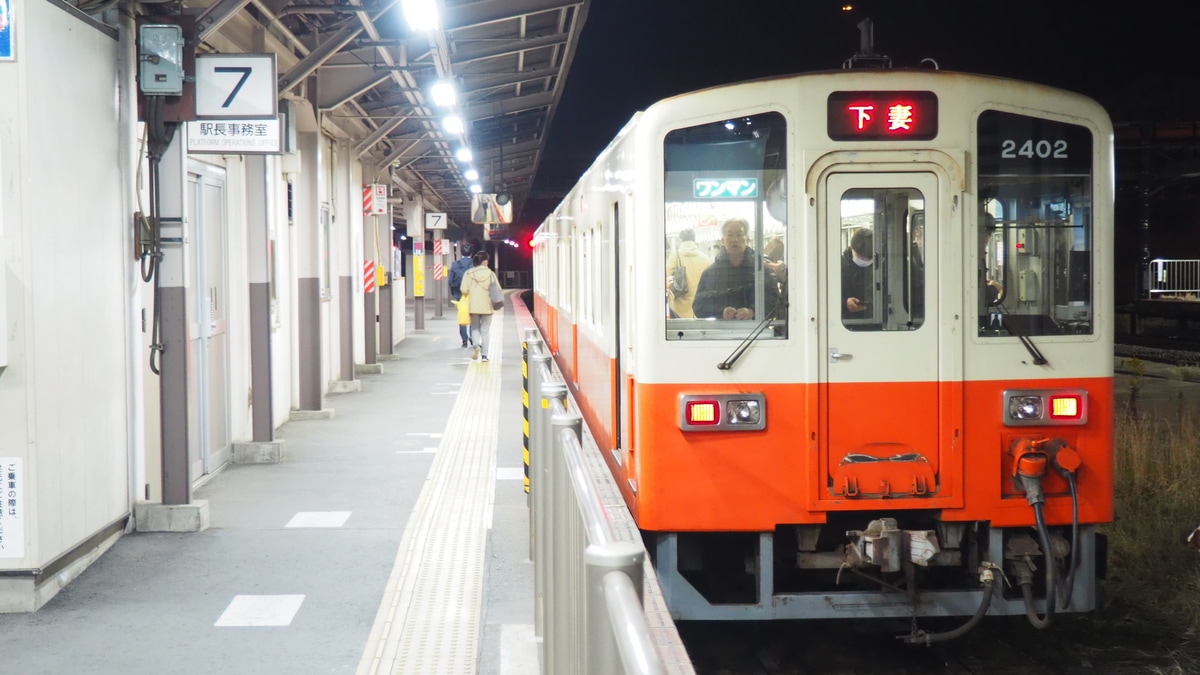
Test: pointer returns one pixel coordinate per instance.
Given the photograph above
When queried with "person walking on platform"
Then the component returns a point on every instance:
(476, 289)
(457, 270)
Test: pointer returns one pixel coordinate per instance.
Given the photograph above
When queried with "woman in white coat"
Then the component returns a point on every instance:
(476, 285)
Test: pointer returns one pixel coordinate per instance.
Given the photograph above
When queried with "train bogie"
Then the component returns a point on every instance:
(845, 340)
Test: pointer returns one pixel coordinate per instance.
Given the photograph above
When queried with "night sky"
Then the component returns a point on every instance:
(1137, 59)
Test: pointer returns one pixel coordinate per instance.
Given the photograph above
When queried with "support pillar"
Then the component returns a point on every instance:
(263, 447)
(171, 297)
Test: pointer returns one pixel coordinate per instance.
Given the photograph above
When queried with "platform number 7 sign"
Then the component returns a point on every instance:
(236, 86)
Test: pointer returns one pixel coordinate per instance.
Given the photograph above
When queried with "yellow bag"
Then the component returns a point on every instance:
(464, 311)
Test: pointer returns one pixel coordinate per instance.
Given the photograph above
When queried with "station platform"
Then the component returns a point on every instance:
(339, 559)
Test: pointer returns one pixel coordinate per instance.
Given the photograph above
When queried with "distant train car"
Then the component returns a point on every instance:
(845, 341)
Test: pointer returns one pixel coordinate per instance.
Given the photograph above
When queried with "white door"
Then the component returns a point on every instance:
(207, 299)
(881, 343)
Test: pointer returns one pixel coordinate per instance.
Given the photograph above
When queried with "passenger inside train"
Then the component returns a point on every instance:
(727, 288)
(883, 272)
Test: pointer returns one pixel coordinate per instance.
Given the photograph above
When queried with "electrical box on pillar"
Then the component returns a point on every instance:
(160, 59)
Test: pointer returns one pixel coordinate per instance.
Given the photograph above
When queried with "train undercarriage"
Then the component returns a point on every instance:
(874, 566)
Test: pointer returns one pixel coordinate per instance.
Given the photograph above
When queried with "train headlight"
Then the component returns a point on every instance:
(1030, 407)
(743, 412)
(1025, 407)
(722, 412)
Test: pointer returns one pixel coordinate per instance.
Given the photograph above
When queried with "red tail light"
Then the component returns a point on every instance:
(1066, 407)
(702, 412)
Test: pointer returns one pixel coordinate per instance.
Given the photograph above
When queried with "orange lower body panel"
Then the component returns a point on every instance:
(951, 456)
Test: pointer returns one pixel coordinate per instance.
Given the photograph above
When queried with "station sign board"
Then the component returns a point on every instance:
(236, 86)
(249, 136)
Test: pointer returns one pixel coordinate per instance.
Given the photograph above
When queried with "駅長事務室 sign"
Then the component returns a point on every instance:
(235, 136)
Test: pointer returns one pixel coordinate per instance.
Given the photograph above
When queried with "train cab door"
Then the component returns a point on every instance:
(880, 351)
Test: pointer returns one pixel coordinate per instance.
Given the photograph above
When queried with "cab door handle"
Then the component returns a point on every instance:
(835, 356)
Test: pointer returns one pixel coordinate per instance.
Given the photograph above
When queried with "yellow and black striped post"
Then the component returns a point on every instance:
(525, 405)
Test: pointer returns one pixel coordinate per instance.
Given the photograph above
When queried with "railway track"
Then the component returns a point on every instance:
(1001, 646)
(1161, 350)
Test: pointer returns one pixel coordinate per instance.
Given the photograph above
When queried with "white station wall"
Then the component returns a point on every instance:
(64, 394)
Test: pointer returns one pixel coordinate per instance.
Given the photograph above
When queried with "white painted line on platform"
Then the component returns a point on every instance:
(424, 433)
(510, 473)
(489, 509)
(319, 519)
(518, 649)
(426, 451)
(261, 610)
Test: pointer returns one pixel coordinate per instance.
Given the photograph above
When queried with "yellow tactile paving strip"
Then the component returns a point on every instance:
(429, 618)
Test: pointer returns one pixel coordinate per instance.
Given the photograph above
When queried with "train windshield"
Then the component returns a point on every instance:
(725, 248)
(1034, 226)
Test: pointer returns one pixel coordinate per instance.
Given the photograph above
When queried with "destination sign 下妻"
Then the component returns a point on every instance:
(882, 115)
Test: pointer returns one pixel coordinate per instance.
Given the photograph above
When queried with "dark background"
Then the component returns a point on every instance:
(1137, 59)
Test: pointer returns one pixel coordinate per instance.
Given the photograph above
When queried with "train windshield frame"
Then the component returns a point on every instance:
(1035, 226)
(725, 229)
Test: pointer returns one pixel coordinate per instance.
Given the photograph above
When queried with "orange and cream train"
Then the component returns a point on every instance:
(879, 432)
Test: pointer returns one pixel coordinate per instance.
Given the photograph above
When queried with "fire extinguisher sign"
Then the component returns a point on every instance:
(375, 198)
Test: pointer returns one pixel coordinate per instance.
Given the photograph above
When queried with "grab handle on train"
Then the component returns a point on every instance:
(835, 355)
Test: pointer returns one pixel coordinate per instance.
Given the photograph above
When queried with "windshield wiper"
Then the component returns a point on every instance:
(741, 348)
(1038, 359)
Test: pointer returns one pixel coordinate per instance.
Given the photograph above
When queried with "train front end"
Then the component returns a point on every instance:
(884, 380)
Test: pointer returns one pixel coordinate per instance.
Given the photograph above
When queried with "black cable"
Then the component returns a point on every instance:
(159, 134)
(980, 612)
(1042, 623)
(1069, 583)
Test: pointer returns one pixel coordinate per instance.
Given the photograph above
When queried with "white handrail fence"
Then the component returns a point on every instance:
(588, 577)
(1174, 279)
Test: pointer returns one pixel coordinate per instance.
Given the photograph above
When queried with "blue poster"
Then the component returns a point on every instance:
(6, 30)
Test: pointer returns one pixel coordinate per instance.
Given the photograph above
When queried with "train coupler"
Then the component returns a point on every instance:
(884, 545)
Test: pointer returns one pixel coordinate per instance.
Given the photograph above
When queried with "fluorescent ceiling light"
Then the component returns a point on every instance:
(443, 94)
(421, 15)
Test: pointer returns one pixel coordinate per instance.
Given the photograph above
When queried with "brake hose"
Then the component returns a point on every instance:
(1069, 582)
(1042, 623)
(988, 579)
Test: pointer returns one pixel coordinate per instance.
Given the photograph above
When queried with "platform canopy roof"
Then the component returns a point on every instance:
(371, 75)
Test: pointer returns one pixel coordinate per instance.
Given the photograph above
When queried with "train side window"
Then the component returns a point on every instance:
(725, 252)
(883, 260)
(1034, 222)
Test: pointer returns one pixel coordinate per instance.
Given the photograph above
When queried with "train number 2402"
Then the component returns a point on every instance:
(1030, 148)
